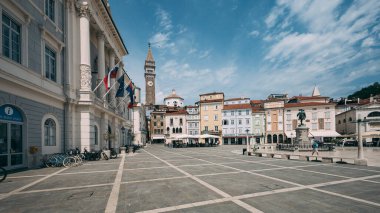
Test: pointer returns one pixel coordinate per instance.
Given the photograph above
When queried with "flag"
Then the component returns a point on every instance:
(111, 74)
(131, 91)
(120, 90)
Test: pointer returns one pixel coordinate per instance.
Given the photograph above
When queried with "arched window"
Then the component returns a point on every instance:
(180, 130)
(281, 138)
(167, 129)
(339, 122)
(374, 114)
(269, 138)
(173, 130)
(274, 138)
(50, 132)
(176, 130)
(344, 120)
(350, 119)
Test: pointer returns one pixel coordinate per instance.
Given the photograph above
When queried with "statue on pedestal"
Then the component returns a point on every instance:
(301, 116)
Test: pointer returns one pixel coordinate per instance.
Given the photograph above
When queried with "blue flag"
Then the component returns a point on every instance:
(120, 90)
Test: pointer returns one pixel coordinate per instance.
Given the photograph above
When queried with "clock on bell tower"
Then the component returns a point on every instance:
(150, 77)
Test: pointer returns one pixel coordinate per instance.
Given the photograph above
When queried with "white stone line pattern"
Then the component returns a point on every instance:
(144, 168)
(65, 188)
(114, 196)
(312, 187)
(88, 172)
(156, 179)
(26, 176)
(216, 190)
(31, 184)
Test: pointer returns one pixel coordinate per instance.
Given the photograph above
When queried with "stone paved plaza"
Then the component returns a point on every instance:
(215, 179)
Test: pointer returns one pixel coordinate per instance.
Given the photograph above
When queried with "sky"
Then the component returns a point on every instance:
(251, 48)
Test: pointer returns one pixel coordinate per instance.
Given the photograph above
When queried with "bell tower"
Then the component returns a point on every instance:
(150, 77)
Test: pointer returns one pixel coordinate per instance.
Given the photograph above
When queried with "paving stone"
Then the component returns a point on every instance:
(343, 171)
(149, 174)
(206, 169)
(358, 189)
(300, 177)
(307, 201)
(152, 195)
(211, 208)
(134, 165)
(11, 184)
(250, 166)
(243, 183)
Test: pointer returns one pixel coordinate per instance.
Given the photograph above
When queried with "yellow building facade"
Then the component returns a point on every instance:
(210, 111)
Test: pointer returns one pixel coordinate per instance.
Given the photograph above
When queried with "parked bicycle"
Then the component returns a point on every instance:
(3, 174)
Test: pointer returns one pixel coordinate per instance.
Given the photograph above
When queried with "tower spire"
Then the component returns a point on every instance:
(149, 56)
(316, 91)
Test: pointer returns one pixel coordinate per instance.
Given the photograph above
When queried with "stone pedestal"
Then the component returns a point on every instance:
(361, 162)
(302, 137)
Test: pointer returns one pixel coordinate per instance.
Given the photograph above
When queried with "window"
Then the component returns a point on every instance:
(344, 120)
(288, 117)
(247, 112)
(327, 114)
(216, 128)
(225, 122)
(96, 140)
(180, 130)
(206, 128)
(247, 121)
(196, 124)
(11, 39)
(180, 121)
(206, 117)
(314, 126)
(232, 113)
(288, 127)
(224, 113)
(50, 64)
(257, 122)
(240, 130)
(162, 123)
(50, 132)
(339, 122)
(232, 122)
(240, 122)
(314, 115)
(349, 119)
(49, 9)
(216, 106)
(154, 116)
(328, 125)
(154, 124)
(171, 121)
(239, 112)
(215, 117)
(173, 130)
(205, 107)
(191, 132)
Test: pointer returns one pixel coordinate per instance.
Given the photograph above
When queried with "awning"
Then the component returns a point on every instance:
(208, 136)
(158, 137)
(375, 134)
(324, 133)
(292, 134)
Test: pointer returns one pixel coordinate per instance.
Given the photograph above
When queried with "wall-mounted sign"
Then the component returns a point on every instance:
(10, 113)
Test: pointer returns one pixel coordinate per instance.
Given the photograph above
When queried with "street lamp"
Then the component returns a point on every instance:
(248, 147)
(291, 138)
(361, 160)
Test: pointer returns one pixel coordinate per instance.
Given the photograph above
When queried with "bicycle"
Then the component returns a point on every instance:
(3, 174)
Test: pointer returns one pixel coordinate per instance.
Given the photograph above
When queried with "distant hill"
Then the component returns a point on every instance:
(366, 92)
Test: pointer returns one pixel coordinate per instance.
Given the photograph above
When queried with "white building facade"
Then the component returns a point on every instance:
(236, 121)
(176, 126)
(50, 62)
(193, 121)
(139, 125)
(173, 100)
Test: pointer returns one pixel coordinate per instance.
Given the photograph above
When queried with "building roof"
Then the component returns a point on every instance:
(211, 101)
(180, 112)
(192, 106)
(236, 106)
(315, 92)
(236, 99)
(291, 105)
(257, 109)
(309, 97)
(173, 95)
(257, 101)
(212, 93)
(149, 56)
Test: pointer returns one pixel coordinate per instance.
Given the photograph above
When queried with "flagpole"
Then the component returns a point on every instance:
(102, 81)
(109, 90)
(122, 101)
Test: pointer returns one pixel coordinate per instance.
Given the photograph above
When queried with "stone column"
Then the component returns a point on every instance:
(85, 62)
(103, 130)
(101, 62)
(113, 90)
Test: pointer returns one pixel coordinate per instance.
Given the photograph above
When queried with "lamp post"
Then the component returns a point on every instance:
(248, 147)
(360, 160)
(291, 138)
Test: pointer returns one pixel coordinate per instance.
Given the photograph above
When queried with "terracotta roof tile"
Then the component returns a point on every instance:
(290, 105)
(180, 112)
(212, 93)
(211, 101)
(236, 106)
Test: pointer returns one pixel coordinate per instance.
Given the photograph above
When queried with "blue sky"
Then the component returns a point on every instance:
(252, 48)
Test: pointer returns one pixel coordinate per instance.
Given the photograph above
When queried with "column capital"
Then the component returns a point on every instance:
(100, 34)
(83, 9)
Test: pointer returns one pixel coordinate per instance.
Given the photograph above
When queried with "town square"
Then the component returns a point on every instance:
(189, 106)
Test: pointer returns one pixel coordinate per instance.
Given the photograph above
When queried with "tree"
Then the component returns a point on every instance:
(366, 92)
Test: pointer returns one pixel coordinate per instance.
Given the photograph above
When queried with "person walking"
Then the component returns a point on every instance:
(314, 146)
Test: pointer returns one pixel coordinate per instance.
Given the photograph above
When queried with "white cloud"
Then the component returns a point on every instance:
(164, 19)
(204, 54)
(333, 50)
(254, 33)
